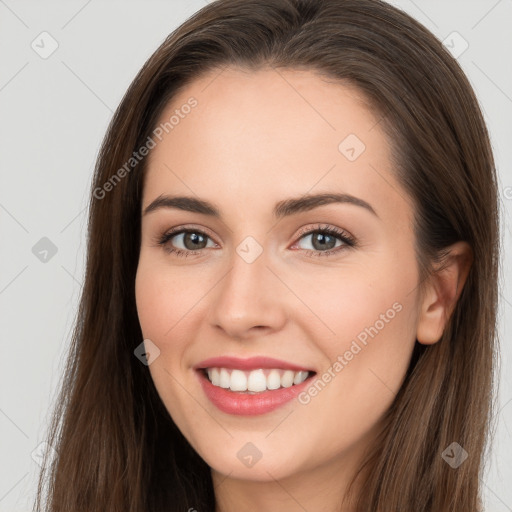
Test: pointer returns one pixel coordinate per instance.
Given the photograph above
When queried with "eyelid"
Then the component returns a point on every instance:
(347, 239)
(187, 227)
(324, 227)
(302, 231)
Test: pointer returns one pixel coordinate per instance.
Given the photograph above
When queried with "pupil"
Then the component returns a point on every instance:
(320, 238)
(194, 238)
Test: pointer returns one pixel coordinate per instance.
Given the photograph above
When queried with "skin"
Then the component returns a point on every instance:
(256, 138)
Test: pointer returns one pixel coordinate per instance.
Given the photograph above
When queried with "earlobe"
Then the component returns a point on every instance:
(442, 293)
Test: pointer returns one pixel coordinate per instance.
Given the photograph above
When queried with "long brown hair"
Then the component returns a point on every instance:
(117, 447)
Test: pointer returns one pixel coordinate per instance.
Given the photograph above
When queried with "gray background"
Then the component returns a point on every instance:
(54, 113)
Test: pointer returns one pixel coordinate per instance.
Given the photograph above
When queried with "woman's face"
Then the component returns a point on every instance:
(261, 278)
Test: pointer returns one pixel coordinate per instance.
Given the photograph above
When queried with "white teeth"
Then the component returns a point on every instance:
(255, 381)
(273, 380)
(300, 377)
(238, 381)
(214, 376)
(225, 379)
(287, 379)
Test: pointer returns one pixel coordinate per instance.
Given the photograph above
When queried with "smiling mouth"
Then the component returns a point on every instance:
(255, 381)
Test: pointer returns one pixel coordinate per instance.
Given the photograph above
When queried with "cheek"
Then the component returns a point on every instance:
(367, 319)
(366, 358)
(152, 303)
(163, 299)
(350, 300)
(165, 311)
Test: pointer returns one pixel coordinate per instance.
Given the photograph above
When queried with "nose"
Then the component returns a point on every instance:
(249, 301)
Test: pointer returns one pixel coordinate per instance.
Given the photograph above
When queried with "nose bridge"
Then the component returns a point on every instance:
(249, 295)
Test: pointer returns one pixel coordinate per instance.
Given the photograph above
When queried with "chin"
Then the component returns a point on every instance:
(258, 461)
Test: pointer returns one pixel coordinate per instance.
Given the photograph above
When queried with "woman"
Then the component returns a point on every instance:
(218, 362)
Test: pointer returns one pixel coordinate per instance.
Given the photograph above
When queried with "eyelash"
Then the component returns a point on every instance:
(348, 240)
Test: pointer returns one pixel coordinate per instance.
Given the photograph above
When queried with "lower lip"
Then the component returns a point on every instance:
(245, 404)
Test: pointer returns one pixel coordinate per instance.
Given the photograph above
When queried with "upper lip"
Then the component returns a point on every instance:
(251, 363)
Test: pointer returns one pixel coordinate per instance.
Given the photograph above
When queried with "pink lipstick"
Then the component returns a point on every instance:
(253, 386)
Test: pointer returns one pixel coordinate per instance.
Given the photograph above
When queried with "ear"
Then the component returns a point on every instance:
(442, 291)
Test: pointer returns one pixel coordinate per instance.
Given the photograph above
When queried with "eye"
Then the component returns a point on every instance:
(325, 241)
(188, 241)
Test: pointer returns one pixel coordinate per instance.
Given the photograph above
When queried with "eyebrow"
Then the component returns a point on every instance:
(282, 209)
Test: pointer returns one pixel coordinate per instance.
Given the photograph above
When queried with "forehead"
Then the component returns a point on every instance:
(270, 134)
